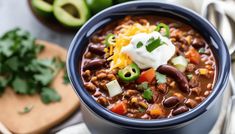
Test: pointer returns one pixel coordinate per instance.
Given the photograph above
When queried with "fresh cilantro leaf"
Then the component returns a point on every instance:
(12, 63)
(160, 78)
(66, 78)
(148, 94)
(153, 44)
(39, 48)
(5, 47)
(139, 44)
(26, 110)
(202, 50)
(45, 77)
(20, 68)
(143, 86)
(20, 86)
(49, 95)
(3, 83)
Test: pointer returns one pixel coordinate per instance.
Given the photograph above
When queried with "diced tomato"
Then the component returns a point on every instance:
(193, 56)
(147, 76)
(119, 108)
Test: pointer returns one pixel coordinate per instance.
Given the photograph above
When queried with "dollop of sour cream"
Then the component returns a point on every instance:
(145, 59)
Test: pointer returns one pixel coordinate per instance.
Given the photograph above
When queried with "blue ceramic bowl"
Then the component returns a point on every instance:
(100, 120)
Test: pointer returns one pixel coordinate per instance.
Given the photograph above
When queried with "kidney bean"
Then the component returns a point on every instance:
(88, 55)
(180, 97)
(171, 101)
(207, 93)
(196, 90)
(101, 75)
(191, 103)
(90, 87)
(94, 64)
(199, 99)
(103, 101)
(198, 43)
(130, 92)
(209, 86)
(96, 49)
(180, 110)
(177, 75)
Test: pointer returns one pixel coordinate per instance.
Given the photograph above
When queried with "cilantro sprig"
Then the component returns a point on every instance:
(148, 94)
(22, 71)
(161, 78)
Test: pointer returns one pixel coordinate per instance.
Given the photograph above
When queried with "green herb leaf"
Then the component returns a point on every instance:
(66, 78)
(3, 83)
(202, 50)
(26, 110)
(12, 63)
(148, 94)
(21, 70)
(142, 86)
(45, 77)
(49, 95)
(139, 44)
(153, 44)
(161, 78)
(20, 86)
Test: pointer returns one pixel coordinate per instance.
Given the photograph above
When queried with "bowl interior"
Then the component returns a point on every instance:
(213, 38)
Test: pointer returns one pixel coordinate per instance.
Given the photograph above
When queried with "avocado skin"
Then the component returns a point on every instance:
(84, 11)
(40, 11)
(98, 5)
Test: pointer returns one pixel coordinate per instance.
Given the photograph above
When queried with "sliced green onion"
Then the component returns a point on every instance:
(139, 44)
(153, 44)
(113, 88)
(180, 63)
(165, 27)
(109, 40)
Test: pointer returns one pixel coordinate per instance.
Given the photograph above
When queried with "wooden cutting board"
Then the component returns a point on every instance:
(42, 117)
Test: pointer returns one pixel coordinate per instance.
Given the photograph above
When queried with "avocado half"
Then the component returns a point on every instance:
(71, 13)
(43, 7)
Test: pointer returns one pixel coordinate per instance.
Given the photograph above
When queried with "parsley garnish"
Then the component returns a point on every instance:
(148, 94)
(26, 110)
(66, 78)
(49, 95)
(22, 71)
(160, 78)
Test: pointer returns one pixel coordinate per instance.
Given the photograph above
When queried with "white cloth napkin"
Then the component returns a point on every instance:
(200, 6)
